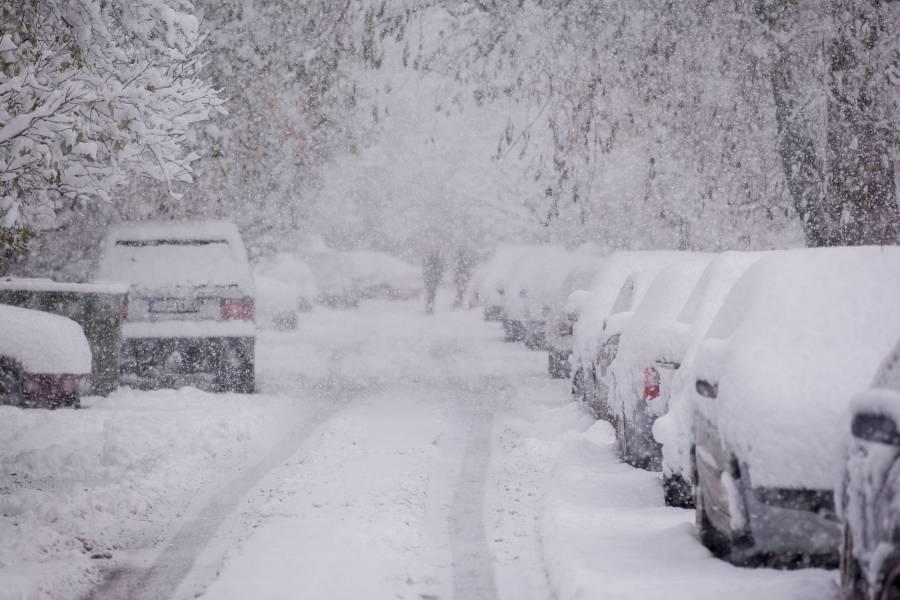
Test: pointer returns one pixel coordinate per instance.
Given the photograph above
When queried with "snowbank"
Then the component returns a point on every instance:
(606, 534)
(42, 342)
(799, 334)
(80, 487)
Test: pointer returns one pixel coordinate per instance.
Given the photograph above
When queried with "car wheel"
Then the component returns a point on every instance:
(12, 387)
(677, 492)
(578, 393)
(713, 539)
(890, 581)
(557, 365)
(853, 582)
(236, 368)
(622, 440)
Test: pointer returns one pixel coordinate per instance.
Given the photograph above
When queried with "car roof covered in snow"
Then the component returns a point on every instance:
(160, 254)
(604, 291)
(535, 280)
(43, 343)
(797, 336)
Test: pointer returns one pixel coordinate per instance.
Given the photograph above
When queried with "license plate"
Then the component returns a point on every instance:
(174, 305)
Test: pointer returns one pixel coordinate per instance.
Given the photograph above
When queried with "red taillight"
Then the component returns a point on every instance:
(238, 310)
(123, 310)
(651, 383)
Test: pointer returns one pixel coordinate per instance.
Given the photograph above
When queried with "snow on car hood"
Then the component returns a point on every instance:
(799, 334)
(42, 342)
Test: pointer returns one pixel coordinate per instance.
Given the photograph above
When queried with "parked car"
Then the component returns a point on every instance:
(284, 286)
(530, 287)
(870, 512)
(593, 306)
(675, 348)
(639, 371)
(384, 277)
(44, 359)
(191, 305)
(490, 280)
(798, 334)
(631, 295)
(563, 315)
(97, 307)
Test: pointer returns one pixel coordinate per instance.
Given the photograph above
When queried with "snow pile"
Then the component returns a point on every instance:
(80, 487)
(604, 290)
(152, 256)
(42, 342)
(606, 534)
(640, 344)
(677, 342)
(797, 336)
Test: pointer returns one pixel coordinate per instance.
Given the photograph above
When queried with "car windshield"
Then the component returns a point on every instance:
(153, 264)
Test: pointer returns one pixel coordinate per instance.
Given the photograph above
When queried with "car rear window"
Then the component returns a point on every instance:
(163, 262)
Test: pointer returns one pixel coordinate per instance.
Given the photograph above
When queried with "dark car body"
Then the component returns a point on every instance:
(191, 305)
(870, 492)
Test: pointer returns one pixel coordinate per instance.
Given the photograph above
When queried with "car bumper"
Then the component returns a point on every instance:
(171, 362)
(188, 329)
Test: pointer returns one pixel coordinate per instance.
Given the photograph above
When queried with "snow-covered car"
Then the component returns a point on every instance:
(593, 306)
(675, 346)
(381, 276)
(43, 359)
(334, 276)
(489, 280)
(637, 375)
(531, 288)
(284, 286)
(630, 297)
(191, 304)
(870, 490)
(799, 333)
(563, 315)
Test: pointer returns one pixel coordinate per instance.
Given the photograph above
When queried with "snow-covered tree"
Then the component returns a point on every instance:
(93, 92)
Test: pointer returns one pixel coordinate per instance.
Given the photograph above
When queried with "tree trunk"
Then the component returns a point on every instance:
(861, 185)
(802, 166)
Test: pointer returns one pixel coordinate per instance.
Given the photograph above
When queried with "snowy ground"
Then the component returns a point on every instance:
(389, 455)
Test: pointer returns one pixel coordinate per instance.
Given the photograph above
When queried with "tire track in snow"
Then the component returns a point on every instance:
(473, 563)
(176, 560)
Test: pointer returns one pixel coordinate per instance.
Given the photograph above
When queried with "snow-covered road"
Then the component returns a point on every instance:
(389, 455)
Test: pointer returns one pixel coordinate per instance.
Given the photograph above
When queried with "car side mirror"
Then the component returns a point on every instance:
(707, 389)
(875, 427)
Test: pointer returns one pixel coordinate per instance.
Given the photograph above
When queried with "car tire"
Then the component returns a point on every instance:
(677, 492)
(558, 365)
(714, 540)
(237, 367)
(853, 581)
(578, 391)
(12, 387)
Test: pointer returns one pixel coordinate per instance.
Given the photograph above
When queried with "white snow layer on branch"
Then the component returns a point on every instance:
(94, 91)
